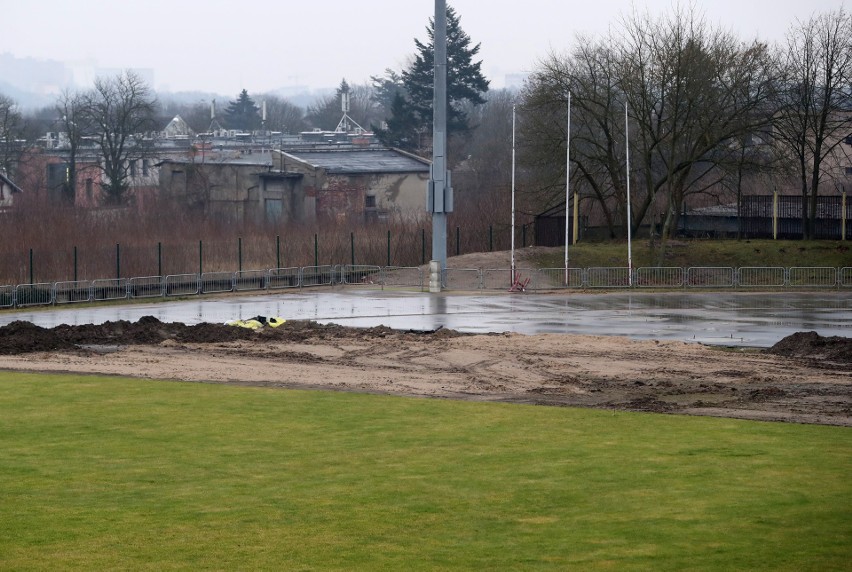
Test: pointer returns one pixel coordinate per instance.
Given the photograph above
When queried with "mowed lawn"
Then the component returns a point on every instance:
(109, 473)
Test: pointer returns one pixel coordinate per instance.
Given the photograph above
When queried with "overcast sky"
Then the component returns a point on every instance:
(223, 46)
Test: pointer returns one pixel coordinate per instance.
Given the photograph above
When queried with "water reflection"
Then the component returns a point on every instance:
(755, 318)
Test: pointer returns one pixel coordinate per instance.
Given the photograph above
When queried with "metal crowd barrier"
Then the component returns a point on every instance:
(608, 277)
(217, 282)
(462, 279)
(559, 278)
(182, 285)
(710, 277)
(278, 278)
(818, 277)
(317, 275)
(767, 277)
(361, 274)
(659, 277)
(40, 294)
(68, 292)
(246, 280)
(7, 296)
(109, 289)
(402, 276)
(146, 287)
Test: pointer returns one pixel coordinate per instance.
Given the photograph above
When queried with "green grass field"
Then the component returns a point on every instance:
(686, 253)
(109, 473)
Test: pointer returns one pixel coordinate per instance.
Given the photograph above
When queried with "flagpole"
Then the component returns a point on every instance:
(513, 194)
(629, 222)
(567, 183)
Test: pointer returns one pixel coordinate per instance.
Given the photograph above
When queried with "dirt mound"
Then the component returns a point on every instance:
(812, 346)
(24, 337)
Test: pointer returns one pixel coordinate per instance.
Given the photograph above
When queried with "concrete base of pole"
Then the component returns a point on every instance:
(434, 276)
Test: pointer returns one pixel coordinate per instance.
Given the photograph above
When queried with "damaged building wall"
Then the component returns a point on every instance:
(236, 191)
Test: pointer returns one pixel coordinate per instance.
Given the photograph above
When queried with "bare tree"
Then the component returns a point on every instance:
(690, 89)
(482, 166)
(814, 97)
(121, 112)
(11, 128)
(281, 115)
(72, 118)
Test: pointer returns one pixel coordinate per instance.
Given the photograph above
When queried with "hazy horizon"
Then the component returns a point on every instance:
(218, 48)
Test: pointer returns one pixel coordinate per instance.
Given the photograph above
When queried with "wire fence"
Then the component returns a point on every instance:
(402, 277)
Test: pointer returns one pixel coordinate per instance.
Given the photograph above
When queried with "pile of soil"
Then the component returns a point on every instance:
(23, 337)
(828, 351)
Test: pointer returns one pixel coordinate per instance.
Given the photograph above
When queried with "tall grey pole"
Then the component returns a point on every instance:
(440, 193)
(629, 221)
(567, 183)
(513, 197)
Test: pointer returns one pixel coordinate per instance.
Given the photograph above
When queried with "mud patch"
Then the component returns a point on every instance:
(804, 378)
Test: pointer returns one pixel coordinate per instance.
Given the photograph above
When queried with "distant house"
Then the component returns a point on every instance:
(7, 191)
(372, 181)
(297, 185)
(178, 129)
(234, 187)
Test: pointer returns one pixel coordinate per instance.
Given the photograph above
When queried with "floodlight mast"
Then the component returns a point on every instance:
(440, 193)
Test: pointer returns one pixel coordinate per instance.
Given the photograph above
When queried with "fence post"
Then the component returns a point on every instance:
(200, 258)
(422, 246)
(117, 261)
(775, 215)
(31, 267)
(352, 248)
(277, 251)
(843, 216)
(316, 249)
(240, 253)
(159, 259)
(75, 264)
(388, 264)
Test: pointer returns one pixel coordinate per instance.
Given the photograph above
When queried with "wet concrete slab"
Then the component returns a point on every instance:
(721, 318)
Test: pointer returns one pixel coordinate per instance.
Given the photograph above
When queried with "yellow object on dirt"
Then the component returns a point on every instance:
(257, 322)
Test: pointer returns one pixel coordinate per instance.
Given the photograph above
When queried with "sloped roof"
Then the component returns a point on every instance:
(178, 126)
(362, 161)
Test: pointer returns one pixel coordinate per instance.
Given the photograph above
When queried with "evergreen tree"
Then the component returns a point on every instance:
(465, 82)
(243, 114)
(402, 126)
(386, 88)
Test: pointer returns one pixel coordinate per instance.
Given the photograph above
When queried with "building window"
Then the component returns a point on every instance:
(370, 201)
(133, 168)
(848, 171)
(89, 188)
(145, 167)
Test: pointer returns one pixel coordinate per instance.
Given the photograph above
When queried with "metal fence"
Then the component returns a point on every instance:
(710, 277)
(462, 279)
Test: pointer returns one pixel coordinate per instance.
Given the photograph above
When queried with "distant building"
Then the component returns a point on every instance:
(178, 129)
(297, 185)
(369, 181)
(7, 191)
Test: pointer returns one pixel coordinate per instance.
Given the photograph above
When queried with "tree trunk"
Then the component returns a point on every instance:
(806, 235)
